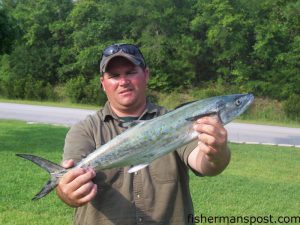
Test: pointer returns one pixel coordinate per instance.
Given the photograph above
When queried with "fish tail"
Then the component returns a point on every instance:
(53, 169)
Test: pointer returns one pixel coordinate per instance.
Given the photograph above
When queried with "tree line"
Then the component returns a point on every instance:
(48, 45)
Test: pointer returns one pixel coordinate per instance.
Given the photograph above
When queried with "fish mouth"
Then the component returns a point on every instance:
(250, 99)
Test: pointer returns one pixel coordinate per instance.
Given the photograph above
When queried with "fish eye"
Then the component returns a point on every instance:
(238, 102)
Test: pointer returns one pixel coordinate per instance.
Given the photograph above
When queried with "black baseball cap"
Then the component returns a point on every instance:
(128, 51)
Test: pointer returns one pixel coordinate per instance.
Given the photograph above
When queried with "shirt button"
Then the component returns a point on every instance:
(138, 196)
(140, 219)
(135, 173)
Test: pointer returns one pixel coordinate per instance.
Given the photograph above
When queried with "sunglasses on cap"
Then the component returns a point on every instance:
(132, 52)
(127, 48)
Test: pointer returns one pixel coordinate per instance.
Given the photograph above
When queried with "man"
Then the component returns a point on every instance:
(157, 194)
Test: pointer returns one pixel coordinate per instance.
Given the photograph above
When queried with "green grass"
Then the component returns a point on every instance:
(261, 180)
(20, 180)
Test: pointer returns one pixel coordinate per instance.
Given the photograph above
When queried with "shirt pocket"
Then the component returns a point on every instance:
(109, 178)
(164, 169)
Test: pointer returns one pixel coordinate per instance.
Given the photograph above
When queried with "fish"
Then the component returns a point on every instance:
(147, 140)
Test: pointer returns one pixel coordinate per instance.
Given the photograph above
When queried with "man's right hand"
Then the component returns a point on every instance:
(76, 188)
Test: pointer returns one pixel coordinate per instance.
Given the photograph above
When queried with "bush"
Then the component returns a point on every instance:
(292, 107)
(81, 91)
(75, 89)
(22, 87)
(33, 89)
(215, 88)
(93, 93)
(28, 88)
(4, 75)
(14, 88)
(50, 92)
(207, 93)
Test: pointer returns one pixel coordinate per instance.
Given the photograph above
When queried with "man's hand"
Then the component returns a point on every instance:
(212, 155)
(76, 188)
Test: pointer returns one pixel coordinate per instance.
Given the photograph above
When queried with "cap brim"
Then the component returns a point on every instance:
(105, 61)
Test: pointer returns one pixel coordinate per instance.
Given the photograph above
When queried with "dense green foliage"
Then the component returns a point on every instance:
(251, 45)
(292, 107)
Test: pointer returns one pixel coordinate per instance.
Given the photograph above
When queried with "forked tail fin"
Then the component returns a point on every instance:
(53, 169)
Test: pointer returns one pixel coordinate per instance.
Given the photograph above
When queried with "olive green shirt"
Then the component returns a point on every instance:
(157, 194)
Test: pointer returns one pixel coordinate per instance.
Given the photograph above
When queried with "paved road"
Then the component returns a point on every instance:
(42, 114)
(238, 132)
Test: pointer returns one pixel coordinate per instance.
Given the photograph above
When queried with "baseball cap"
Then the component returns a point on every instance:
(128, 51)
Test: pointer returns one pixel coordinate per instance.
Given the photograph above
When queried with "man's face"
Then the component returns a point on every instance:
(125, 85)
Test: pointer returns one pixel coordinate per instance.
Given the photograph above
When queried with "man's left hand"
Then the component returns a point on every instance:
(212, 155)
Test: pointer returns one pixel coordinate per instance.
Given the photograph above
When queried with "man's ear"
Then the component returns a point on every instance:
(101, 83)
(147, 74)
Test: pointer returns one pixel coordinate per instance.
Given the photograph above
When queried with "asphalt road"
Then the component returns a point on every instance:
(237, 132)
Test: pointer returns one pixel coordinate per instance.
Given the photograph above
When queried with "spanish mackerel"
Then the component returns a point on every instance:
(148, 140)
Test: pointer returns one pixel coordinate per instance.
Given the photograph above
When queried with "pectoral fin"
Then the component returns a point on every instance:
(137, 168)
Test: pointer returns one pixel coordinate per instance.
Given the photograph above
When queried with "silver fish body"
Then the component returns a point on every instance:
(148, 140)
(154, 138)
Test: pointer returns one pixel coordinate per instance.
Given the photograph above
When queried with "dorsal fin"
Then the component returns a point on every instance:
(183, 104)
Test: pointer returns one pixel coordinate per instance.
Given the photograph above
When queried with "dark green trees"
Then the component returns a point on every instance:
(252, 45)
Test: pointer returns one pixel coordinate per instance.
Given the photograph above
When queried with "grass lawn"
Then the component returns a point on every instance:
(20, 180)
(261, 180)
